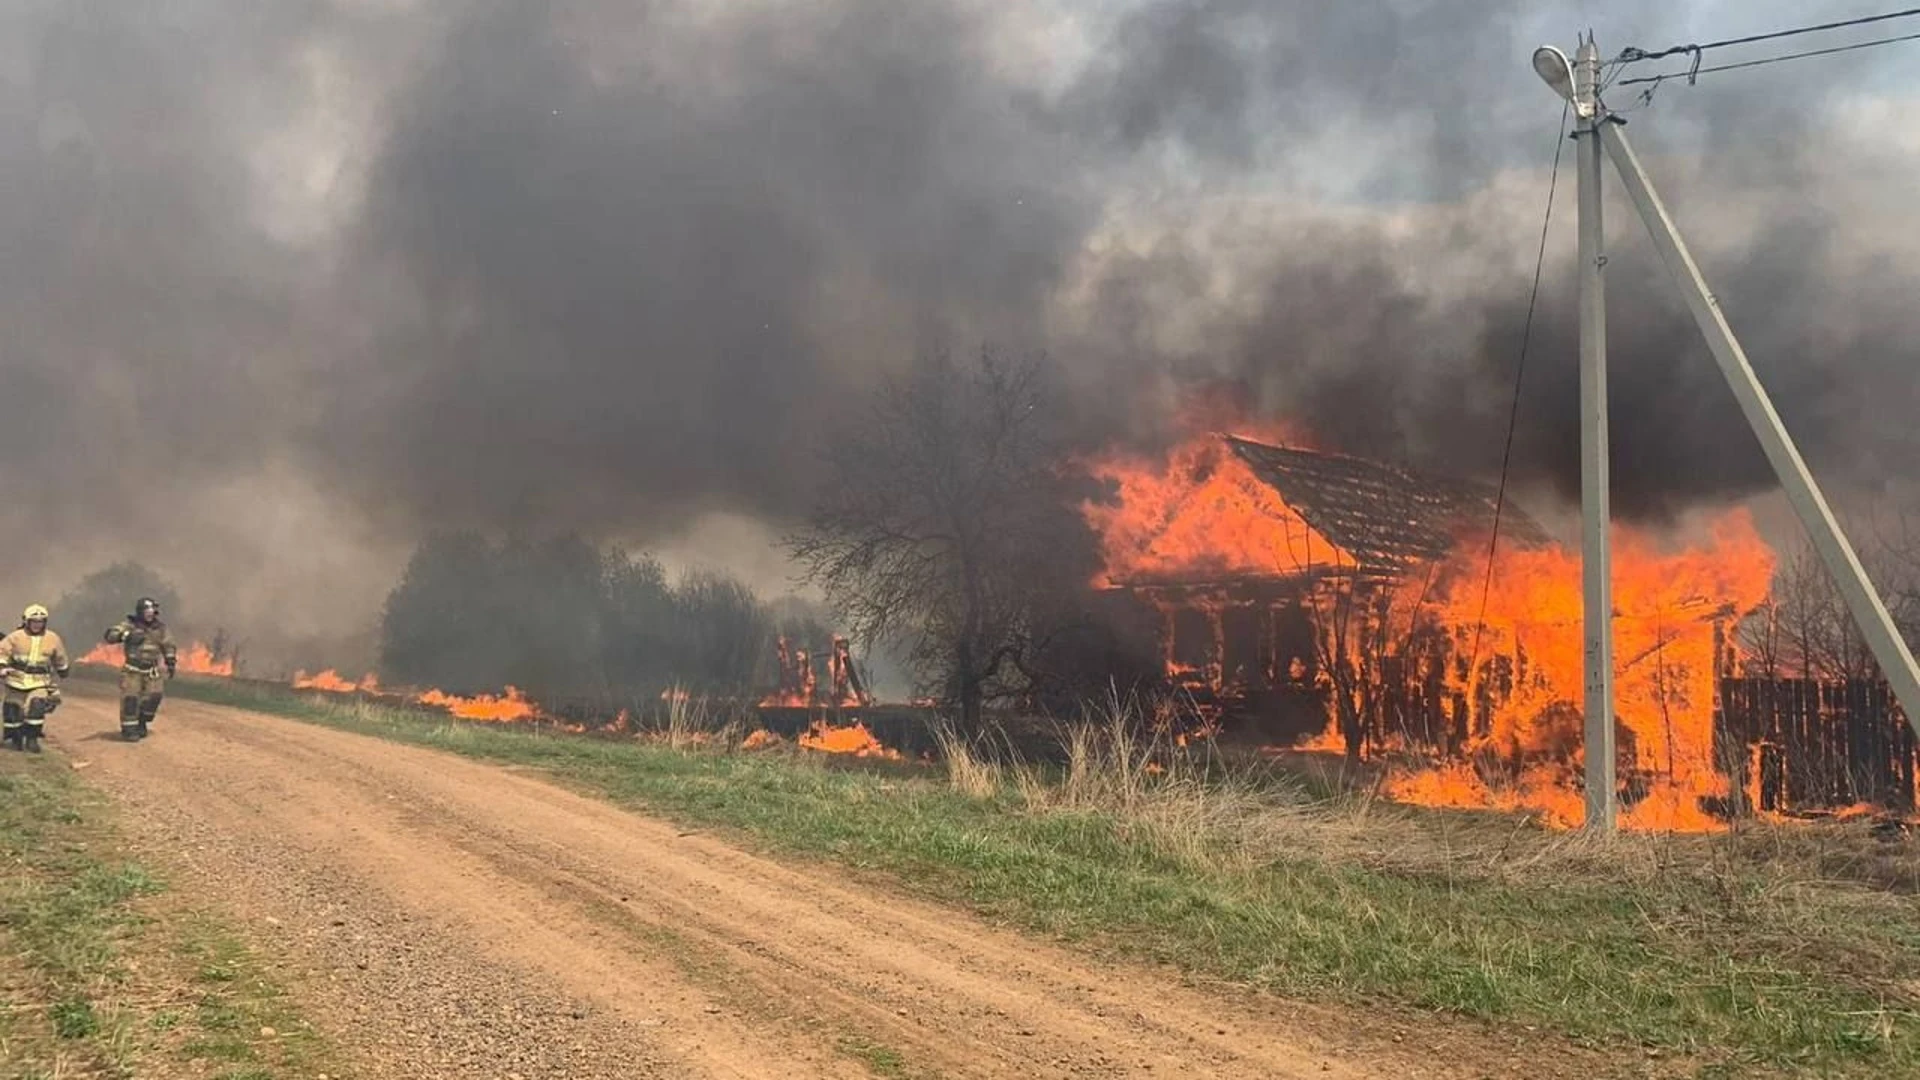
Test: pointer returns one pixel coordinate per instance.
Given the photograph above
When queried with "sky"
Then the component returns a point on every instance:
(285, 286)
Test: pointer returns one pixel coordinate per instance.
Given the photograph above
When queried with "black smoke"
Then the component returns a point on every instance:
(641, 292)
(285, 289)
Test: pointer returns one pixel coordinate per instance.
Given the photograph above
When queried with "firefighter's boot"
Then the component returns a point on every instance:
(35, 718)
(130, 727)
(13, 726)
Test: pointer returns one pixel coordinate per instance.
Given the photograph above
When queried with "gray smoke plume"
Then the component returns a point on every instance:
(283, 289)
(1339, 323)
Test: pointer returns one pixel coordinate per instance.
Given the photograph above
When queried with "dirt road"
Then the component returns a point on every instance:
(447, 918)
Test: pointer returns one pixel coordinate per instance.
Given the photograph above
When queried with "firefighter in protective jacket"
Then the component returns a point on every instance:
(150, 660)
(30, 658)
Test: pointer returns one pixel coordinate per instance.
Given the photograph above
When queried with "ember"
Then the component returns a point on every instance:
(760, 739)
(852, 739)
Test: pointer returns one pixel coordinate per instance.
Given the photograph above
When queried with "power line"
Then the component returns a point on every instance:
(1631, 55)
(1697, 71)
(1520, 371)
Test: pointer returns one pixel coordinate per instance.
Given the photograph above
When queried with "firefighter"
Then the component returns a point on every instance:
(147, 648)
(30, 657)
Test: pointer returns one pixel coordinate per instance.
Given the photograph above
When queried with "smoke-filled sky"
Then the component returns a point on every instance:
(284, 285)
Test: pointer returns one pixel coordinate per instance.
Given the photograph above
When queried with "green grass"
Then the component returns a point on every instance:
(112, 968)
(1770, 951)
(881, 1061)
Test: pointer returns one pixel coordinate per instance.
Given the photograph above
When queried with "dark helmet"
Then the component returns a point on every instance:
(147, 608)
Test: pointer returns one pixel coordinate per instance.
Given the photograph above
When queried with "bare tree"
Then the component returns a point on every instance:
(1811, 616)
(1350, 632)
(1763, 641)
(945, 524)
(1896, 569)
(1806, 631)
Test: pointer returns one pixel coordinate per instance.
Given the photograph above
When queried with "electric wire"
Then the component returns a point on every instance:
(1696, 71)
(1519, 375)
(1631, 55)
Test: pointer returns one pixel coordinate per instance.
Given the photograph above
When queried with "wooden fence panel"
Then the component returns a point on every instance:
(1817, 744)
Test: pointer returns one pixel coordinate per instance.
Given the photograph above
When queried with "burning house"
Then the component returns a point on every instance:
(1275, 580)
(1329, 602)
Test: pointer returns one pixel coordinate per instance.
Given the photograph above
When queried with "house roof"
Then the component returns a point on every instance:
(1385, 516)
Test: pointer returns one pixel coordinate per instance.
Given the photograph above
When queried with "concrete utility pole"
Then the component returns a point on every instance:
(1579, 83)
(1575, 81)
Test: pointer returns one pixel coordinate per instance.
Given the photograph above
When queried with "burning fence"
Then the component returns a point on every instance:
(1335, 603)
(799, 685)
(842, 717)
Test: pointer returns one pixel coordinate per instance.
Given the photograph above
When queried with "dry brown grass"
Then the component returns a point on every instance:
(969, 771)
(1195, 802)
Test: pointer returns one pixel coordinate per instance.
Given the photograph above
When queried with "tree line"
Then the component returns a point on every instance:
(571, 623)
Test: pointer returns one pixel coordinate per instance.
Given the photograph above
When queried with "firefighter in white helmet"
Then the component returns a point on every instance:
(31, 657)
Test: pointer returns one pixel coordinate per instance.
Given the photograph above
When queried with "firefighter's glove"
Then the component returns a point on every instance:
(171, 662)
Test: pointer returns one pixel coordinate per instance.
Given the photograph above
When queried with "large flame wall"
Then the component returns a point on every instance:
(1198, 513)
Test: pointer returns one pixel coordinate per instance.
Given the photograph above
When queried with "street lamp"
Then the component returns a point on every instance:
(1554, 69)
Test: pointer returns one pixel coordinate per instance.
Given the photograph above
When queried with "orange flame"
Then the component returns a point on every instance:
(853, 739)
(1665, 606)
(511, 705)
(761, 739)
(1202, 513)
(332, 682)
(198, 659)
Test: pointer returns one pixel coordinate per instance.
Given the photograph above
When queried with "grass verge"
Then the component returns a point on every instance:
(1772, 951)
(105, 972)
